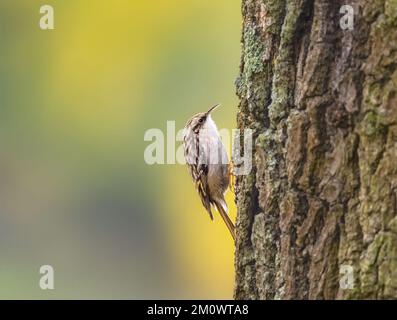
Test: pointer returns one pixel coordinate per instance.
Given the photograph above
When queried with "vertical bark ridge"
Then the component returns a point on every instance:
(322, 103)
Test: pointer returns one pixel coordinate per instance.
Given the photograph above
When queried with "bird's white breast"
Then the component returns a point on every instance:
(212, 147)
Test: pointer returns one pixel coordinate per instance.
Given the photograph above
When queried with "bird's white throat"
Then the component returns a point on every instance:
(210, 126)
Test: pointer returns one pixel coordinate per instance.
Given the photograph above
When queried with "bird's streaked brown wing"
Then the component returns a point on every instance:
(197, 171)
(202, 188)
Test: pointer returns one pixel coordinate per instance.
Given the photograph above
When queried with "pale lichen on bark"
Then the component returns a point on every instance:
(323, 106)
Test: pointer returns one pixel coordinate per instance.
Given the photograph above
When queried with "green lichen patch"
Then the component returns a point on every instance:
(372, 126)
(252, 52)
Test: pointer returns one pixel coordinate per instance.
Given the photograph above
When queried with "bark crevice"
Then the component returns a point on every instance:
(322, 103)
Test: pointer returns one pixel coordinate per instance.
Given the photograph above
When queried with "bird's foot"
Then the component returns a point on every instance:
(232, 177)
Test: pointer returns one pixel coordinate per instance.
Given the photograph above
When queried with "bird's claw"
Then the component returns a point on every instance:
(232, 177)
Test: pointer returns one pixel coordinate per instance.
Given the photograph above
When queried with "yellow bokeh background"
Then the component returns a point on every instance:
(75, 191)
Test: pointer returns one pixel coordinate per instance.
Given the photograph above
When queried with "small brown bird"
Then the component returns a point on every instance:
(208, 163)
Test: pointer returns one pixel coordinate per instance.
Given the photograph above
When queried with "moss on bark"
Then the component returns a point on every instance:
(322, 194)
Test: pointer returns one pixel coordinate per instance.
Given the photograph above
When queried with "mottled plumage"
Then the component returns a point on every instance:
(208, 163)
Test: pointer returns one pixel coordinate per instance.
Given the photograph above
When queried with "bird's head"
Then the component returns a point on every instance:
(198, 121)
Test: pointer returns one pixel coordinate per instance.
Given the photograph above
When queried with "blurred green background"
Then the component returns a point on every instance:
(75, 103)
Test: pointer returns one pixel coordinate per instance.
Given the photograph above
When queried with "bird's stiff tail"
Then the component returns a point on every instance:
(226, 219)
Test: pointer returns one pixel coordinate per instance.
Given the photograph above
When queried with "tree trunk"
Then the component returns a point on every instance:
(322, 102)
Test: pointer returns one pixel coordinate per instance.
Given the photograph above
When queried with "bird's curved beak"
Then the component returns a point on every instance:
(213, 108)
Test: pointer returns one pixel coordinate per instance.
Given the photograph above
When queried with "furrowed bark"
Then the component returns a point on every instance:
(322, 194)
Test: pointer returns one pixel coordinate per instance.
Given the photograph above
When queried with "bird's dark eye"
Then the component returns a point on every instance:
(201, 120)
